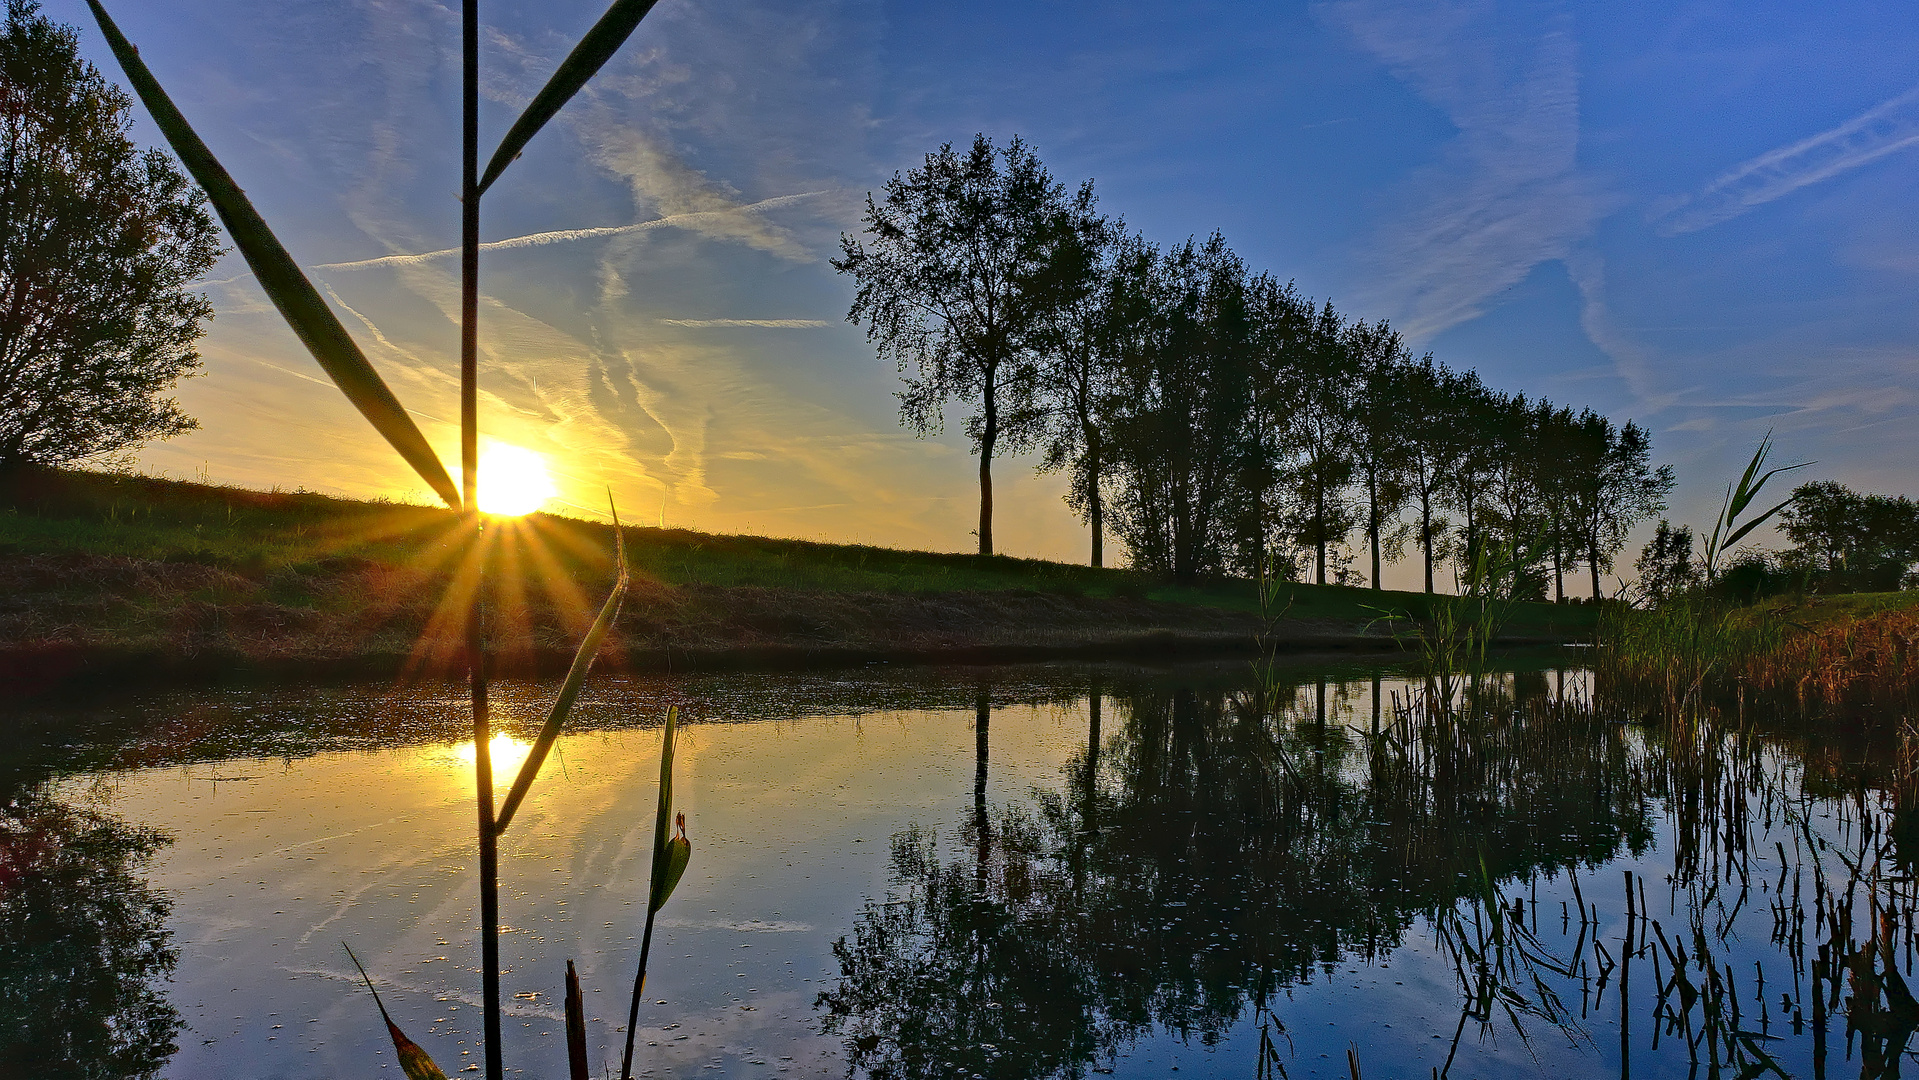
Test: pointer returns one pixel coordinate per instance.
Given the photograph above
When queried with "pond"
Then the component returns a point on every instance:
(1012, 873)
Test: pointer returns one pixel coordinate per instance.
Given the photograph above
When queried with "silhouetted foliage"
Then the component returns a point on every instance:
(98, 242)
(1847, 542)
(1666, 566)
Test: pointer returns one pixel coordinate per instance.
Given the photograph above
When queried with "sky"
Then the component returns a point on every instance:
(1701, 216)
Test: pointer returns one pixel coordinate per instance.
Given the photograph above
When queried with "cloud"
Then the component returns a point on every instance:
(719, 222)
(783, 324)
(1888, 127)
(1506, 194)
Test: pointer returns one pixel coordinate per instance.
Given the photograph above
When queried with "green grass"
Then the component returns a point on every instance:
(283, 537)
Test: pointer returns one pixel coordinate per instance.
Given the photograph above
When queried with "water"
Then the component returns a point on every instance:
(1120, 871)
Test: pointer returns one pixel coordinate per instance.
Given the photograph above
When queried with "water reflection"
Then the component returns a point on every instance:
(1224, 846)
(84, 947)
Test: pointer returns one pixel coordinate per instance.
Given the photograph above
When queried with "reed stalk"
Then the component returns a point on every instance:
(342, 360)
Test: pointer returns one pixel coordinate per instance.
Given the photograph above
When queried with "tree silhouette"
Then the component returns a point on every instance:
(97, 244)
(940, 277)
(1075, 338)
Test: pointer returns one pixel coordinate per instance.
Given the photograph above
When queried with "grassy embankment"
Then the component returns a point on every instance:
(1842, 652)
(123, 574)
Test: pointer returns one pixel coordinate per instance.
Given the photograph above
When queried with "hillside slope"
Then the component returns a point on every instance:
(118, 576)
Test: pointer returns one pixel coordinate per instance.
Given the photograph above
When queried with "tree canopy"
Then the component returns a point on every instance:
(98, 242)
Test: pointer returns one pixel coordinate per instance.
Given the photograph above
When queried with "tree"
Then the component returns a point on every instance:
(1067, 294)
(1615, 487)
(1180, 413)
(98, 241)
(1849, 541)
(1666, 567)
(1424, 391)
(1472, 410)
(1322, 435)
(1279, 323)
(939, 288)
(1380, 445)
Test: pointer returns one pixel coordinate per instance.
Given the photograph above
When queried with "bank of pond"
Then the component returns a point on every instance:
(1008, 872)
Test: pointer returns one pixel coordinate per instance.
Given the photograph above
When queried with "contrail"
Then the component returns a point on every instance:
(1890, 126)
(562, 236)
(787, 324)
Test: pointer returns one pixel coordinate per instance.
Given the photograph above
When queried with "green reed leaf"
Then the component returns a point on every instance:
(315, 324)
(679, 852)
(580, 65)
(414, 1061)
(658, 888)
(570, 689)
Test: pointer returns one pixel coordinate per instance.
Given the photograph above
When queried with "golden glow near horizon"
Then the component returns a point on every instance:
(513, 481)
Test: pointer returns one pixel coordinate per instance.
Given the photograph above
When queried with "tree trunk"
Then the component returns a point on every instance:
(1372, 523)
(1095, 511)
(982, 716)
(989, 436)
(1319, 531)
(1592, 560)
(1559, 571)
(1426, 538)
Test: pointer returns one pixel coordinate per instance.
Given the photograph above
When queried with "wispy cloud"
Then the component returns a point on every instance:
(702, 220)
(1506, 194)
(1886, 128)
(781, 324)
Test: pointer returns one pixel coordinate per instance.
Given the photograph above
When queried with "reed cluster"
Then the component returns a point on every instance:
(1692, 650)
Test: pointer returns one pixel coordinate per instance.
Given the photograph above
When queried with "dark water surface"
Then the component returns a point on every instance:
(1006, 873)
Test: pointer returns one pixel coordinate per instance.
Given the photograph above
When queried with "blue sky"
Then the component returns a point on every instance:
(1702, 216)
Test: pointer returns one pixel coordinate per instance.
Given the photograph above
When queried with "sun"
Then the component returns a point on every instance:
(513, 481)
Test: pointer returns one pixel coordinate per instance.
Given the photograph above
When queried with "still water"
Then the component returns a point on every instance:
(1005, 873)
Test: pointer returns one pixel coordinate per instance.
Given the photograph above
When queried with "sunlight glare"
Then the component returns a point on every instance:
(508, 753)
(513, 481)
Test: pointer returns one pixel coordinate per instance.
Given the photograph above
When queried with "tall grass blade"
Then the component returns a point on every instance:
(570, 689)
(315, 324)
(580, 65)
(414, 1061)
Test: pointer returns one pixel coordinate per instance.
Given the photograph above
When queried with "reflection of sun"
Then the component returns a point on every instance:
(508, 753)
(513, 481)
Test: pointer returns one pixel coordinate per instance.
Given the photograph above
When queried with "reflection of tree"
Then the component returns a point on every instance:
(82, 941)
(1226, 845)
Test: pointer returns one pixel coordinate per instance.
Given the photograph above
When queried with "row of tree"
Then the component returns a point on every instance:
(1209, 416)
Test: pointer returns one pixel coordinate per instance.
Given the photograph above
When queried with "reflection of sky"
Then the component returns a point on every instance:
(275, 861)
(1697, 216)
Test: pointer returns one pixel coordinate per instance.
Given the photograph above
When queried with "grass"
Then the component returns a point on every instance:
(1849, 651)
(290, 545)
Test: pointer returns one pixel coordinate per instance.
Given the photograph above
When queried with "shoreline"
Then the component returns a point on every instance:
(62, 669)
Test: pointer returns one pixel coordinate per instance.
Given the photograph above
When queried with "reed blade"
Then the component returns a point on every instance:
(576, 1063)
(679, 851)
(580, 65)
(660, 843)
(414, 1061)
(299, 303)
(570, 689)
(1749, 526)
